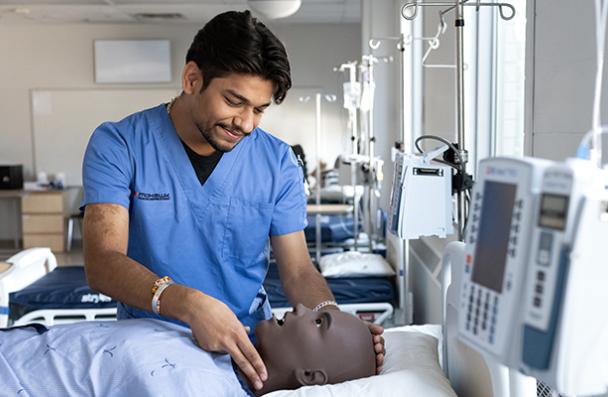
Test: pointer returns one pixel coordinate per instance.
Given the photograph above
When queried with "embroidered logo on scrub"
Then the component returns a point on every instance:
(152, 196)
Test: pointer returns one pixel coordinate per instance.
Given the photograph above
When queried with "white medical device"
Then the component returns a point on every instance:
(497, 243)
(565, 325)
(421, 197)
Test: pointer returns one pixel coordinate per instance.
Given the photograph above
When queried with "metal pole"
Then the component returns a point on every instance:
(354, 151)
(371, 152)
(318, 176)
(460, 108)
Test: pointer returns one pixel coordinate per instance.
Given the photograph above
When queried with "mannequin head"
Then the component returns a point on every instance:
(314, 348)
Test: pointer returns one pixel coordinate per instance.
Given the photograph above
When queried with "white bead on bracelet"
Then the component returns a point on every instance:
(156, 298)
(323, 304)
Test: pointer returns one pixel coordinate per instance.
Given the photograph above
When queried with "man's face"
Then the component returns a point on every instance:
(230, 108)
(310, 347)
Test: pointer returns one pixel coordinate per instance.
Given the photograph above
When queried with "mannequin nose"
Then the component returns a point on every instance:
(300, 309)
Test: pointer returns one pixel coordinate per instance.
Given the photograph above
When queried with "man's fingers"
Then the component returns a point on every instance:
(379, 348)
(252, 355)
(246, 367)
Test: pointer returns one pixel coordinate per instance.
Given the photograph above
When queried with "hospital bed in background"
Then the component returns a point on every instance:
(34, 290)
(369, 298)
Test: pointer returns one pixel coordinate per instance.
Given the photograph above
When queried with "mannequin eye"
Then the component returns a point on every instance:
(319, 322)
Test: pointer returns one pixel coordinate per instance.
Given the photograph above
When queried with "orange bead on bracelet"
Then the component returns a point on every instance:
(159, 282)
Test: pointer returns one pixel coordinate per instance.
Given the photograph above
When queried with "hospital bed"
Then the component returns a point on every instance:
(33, 289)
(369, 298)
(414, 353)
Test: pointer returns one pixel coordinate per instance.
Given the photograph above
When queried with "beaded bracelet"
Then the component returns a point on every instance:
(160, 282)
(323, 304)
(159, 287)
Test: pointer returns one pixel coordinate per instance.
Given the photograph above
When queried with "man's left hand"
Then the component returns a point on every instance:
(378, 339)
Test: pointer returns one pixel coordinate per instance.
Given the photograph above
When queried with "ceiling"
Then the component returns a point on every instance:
(162, 11)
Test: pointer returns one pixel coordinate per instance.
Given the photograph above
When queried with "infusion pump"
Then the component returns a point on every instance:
(533, 292)
(497, 242)
(565, 325)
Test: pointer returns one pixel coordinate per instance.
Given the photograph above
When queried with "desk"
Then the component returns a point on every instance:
(41, 216)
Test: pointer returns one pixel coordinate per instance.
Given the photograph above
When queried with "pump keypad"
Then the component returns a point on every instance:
(482, 311)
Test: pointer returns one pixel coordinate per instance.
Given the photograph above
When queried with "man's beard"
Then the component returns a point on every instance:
(215, 143)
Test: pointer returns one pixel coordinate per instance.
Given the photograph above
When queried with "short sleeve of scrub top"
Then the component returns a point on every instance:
(290, 207)
(106, 169)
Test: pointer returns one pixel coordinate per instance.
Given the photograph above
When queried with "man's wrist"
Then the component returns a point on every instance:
(180, 302)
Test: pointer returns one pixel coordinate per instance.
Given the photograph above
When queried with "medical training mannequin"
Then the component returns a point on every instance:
(147, 357)
(314, 348)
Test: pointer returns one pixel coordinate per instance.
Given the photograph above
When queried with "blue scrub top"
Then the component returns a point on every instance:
(212, 237)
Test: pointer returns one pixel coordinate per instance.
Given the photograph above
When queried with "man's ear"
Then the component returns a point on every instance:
(192, 78)
(307, 377)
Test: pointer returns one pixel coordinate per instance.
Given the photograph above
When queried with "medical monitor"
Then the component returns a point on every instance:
(494, 234)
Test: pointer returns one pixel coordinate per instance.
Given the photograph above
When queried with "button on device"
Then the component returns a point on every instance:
(540, 275)
(545, 246)
(538, 288)
(537, 301)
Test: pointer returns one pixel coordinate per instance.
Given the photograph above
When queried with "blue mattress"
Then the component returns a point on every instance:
(334, 228)
(63, 288)
(345, 290)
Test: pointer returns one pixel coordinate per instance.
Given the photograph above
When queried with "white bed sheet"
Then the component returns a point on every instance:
(411, 368)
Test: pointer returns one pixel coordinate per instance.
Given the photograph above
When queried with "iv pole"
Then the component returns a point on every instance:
(409, 12)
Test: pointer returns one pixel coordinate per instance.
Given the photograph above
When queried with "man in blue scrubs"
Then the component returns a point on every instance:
(192, 190)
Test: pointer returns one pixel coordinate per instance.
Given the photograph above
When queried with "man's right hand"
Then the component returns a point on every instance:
(216, 328)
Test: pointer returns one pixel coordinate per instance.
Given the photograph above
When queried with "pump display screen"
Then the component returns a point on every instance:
(494, 234)
(553, 211)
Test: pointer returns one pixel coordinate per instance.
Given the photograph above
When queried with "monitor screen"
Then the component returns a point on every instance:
(494, 233)
(553, 211)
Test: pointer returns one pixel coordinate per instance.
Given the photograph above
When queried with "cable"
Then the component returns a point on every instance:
(601, 16)
(444, 141)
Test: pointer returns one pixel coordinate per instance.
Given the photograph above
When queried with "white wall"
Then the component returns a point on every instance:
(61, 57)
(564, 65)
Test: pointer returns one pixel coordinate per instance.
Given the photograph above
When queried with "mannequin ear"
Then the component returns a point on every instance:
(307, 377)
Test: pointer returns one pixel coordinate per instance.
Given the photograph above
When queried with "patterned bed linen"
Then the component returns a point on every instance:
(126, 358)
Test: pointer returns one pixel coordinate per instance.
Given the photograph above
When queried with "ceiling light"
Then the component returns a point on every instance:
(274, 9)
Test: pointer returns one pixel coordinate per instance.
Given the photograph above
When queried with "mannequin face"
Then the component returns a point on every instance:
(314, 348)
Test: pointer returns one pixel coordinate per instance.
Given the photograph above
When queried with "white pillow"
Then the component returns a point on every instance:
(354, 264)
(411, 368)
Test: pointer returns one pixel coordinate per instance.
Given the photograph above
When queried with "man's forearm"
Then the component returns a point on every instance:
(307, 287)
(128, 281)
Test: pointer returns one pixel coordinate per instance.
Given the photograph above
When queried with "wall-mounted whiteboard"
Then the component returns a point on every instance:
(132, 61)
(63, 121)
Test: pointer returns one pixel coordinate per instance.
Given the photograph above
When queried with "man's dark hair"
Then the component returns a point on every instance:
(235, 42)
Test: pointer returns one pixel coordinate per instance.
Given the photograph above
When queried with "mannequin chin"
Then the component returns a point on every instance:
(314, 348)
